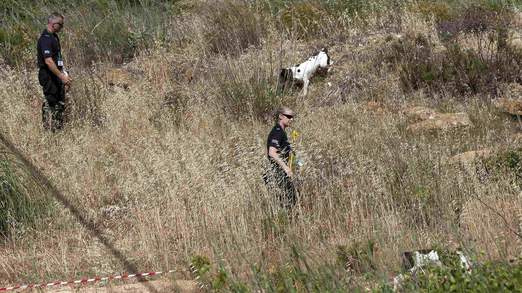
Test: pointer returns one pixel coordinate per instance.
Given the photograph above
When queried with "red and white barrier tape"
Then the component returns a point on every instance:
(85, 281)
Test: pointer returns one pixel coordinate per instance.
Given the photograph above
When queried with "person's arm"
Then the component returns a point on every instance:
(66, 79)
(272, 153)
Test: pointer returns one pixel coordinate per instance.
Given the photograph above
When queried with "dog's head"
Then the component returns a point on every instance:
(324, 61)
(323, 58)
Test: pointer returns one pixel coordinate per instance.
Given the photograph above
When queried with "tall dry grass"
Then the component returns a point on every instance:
(169, 166)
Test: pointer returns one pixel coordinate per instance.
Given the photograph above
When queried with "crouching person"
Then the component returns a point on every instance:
(279, 176)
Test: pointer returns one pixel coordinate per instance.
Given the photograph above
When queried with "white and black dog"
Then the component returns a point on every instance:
(302, 73)
(413, 261)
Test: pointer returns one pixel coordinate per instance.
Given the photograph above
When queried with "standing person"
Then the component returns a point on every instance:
(51, 74)
(279, 177)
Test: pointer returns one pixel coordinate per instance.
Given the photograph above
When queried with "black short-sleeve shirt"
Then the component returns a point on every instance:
(49, 46)
(278, 139)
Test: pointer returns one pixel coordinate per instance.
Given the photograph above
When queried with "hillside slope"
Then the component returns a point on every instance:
(160, 162)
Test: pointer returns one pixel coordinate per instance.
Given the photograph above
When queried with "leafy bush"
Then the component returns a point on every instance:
(15, 42)
(506, 164)
(470, 60)
(17, 31)
(489, 277)
(456, 70)
(20, 207)
(115, 30)
(97, 30)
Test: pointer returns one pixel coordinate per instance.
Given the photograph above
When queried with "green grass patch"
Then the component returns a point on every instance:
(488, 277)
(298, 274)
(506, 164)
(22, 204)
(98, 30)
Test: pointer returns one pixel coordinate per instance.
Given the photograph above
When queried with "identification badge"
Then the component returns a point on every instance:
(60, 63)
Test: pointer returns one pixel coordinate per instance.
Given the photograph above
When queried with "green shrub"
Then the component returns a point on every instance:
(100, 30)
(506, 164)
(21, 204)
(15, 42)
(454, 70)
(113, 31)
(215, 279)
(488, 277)
(457, 69)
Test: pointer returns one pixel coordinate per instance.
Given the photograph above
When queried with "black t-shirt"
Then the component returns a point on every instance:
(278, 139)
(49, 46)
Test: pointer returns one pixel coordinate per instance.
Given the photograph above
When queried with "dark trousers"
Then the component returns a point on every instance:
(282, 186)
(54, 103)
